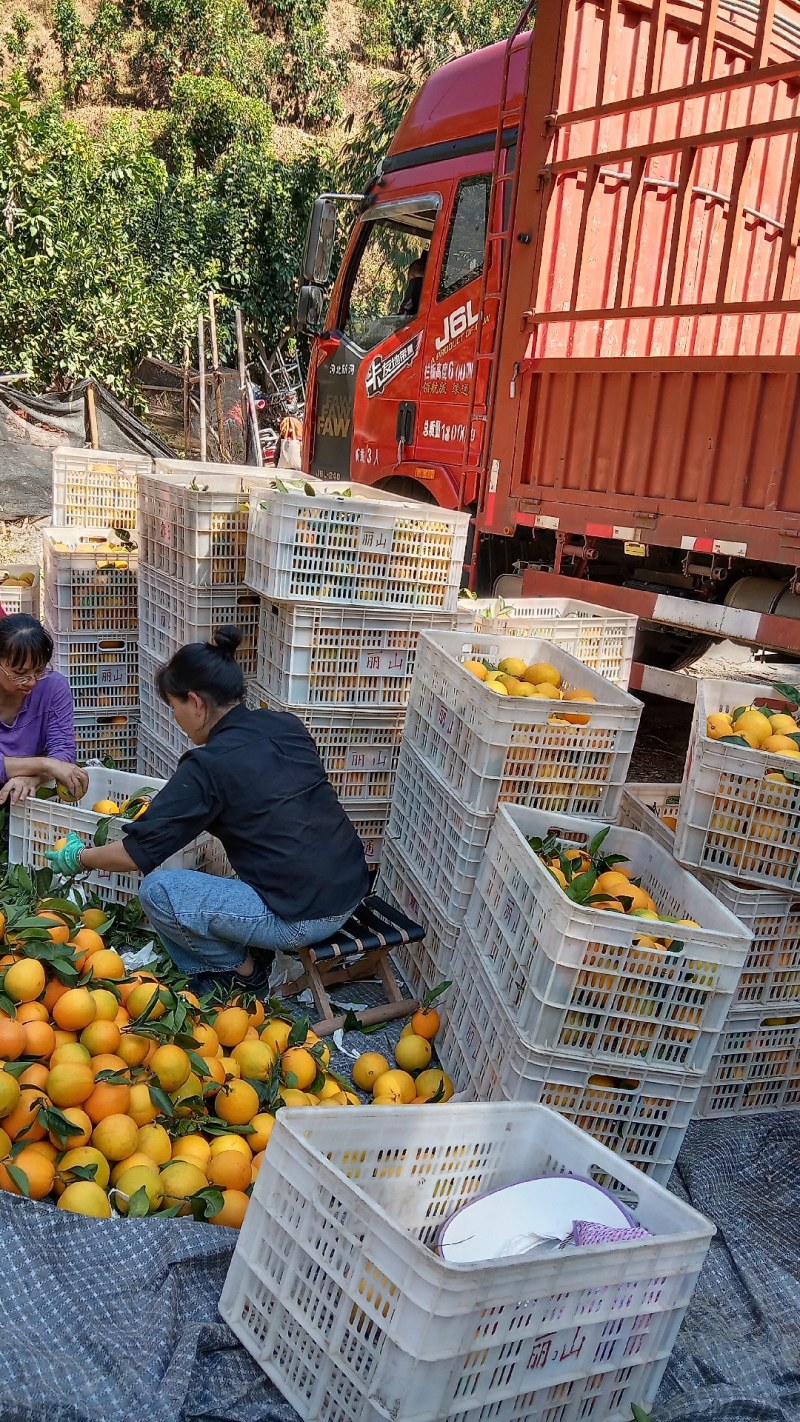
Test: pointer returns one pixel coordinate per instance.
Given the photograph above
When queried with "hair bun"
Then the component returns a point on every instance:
(226, 640)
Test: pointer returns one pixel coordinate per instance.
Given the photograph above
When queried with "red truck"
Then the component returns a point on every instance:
(570, 303)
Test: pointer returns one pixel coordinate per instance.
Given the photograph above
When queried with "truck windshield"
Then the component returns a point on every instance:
(384, 285)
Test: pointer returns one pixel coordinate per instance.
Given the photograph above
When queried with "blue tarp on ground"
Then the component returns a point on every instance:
(118, 1322)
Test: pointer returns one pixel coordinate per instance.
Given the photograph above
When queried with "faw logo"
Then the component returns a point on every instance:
(334, 417)
(457, 325)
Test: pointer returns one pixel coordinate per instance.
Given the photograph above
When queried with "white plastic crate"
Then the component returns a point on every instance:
(735, 819)
(771, 973)
(579, 978)
(103, 672)
(600, 638)
(336, 1289)
(492, 748)
(35, 825)
(370, 826)
(442, 842)
(652, 808)
(756, 1066)
(312, 654)
(93, 487)
(110, 736)
(89, 581)
(153, 758)
(357, 546)
(435, 959)
(172, 614)
(641, 1114)
(16, 596)
(359, 749)
(193, 520)
(157, 718)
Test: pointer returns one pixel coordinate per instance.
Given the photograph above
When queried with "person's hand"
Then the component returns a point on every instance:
(73, 777)
(18, 788)
(66, 860)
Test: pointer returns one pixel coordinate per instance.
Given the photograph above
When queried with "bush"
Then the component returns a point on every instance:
(210, 38)
(307, 78)
(88, 52)
(209, 115)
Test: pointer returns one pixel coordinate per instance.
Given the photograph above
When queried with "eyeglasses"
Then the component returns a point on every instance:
(24, 678)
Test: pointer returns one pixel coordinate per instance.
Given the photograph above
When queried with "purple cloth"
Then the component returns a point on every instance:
(587, 1232)
(44, 724)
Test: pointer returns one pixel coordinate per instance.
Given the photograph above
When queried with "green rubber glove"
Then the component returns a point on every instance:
(66, 860)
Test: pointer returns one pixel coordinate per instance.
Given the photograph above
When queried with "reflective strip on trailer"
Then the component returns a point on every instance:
(713, 545)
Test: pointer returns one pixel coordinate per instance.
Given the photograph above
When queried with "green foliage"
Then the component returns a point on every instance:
(22, 59)
(210, 115)
(107, 254)
(307, 77)
(88, 52)
(198, 37)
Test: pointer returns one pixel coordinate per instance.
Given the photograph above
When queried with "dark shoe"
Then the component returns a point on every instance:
(228, 985)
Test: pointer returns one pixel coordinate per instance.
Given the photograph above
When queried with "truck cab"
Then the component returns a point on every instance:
(392, 368)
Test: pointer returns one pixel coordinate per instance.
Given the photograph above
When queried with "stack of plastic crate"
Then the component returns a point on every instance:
(192, 531)
(600, 638)
(467, 750)
(756, 1064)
(349, 580)
(90, 611)
(564, 1004)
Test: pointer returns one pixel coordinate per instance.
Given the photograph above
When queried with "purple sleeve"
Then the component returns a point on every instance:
(59, 727)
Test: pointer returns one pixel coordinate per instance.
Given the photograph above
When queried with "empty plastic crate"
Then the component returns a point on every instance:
(370, 826)
(443, 842)
(641, 1112)
(153, 757)
(17, 594)
(103, 672)
(348, 544)
(89, 581)
(193, 520)
(359, 749)
(436, 958)
(492, 748)
(109, 737)
(771, 972)
(735, 818)
(585, 978)
(756, 1066)
(35, 825)
(311, 654)
(337, 1290)
(94, 487)
(171, 613)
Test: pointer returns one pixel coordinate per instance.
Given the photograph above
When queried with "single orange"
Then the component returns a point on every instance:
(40, 1039)
(12, 1039)
(107, 1100)
(75, 1009)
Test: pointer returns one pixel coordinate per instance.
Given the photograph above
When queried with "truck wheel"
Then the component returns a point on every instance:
(658, 645)
(407, 488)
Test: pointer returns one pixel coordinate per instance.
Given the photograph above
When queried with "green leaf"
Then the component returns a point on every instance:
(734, 741)
(199, 1065)
(207, 1203)
(435, 993)
(299, 1032)
(352, 1023)
(790, 693)
(138, 1204)
(599, 839)
(20, 1179)
(292, 1080)
(638, 1414)
(113, 1077)
(82, 1172)
(171, 1212)
(160, 1099)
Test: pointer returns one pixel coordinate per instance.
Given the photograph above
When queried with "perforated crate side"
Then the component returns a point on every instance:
(16, 596)
(36, 825)
(735, 818)
(193, 520)
(315, 655)
(103, 672)
(345, 546)
(336, 1291)
(601, 639)
(93, 487)
(153, 757)
(641, 1115)
(111, 736)
(358, 749)
(505, 748)
(577, 977)
(652, 808)
(89, 581)
(157, 717)
(171, 614)
(756, 1066)
(436, 958)
(443, 842)
(370, 826)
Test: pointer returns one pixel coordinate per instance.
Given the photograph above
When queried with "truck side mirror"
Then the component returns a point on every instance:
(320, 240)
(311, 310)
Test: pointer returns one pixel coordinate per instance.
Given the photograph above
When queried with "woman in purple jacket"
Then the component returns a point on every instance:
(37, 733)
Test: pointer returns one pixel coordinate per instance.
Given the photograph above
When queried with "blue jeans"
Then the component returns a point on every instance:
(210, 925)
